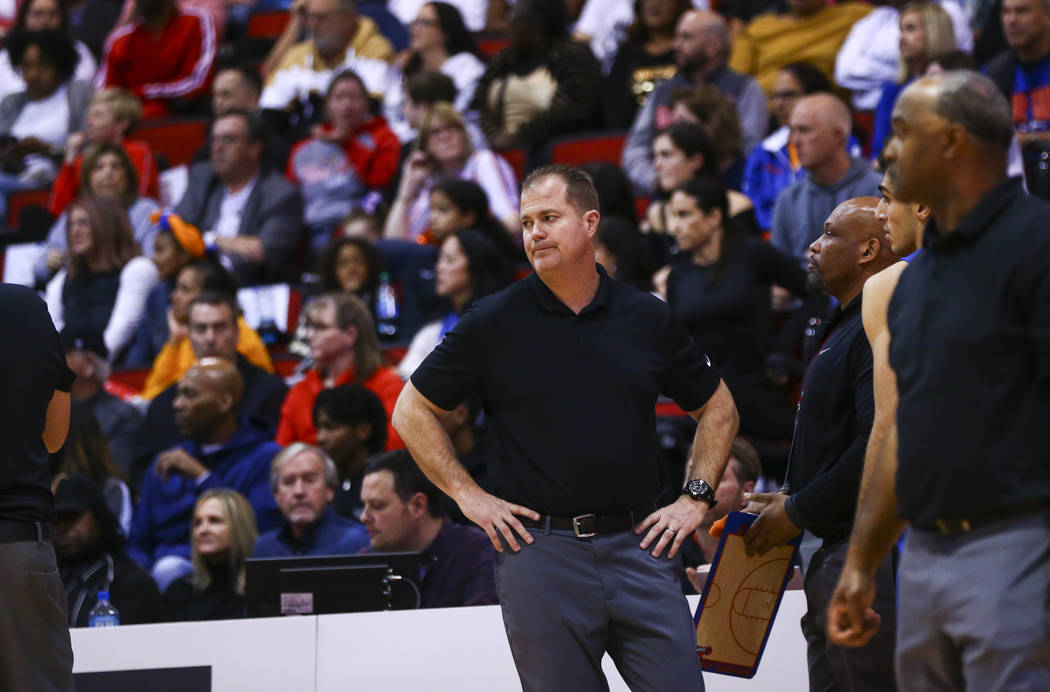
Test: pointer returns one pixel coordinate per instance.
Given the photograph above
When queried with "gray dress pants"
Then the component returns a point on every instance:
(566, 601)
(975, 608)
(35, 652)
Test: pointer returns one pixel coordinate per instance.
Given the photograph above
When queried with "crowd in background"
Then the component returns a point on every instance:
(369, 157)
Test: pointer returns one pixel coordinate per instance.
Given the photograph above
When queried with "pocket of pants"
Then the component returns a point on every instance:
(45, 590)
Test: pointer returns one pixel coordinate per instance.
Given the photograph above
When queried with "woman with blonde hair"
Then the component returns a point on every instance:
(222, 538)
(926, 34)
(444, 149)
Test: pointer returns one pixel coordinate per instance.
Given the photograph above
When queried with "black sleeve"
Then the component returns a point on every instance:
(776, 267)
(454, 369)
(618, 104)
(690, 379)
(38, 320)
(833, 491)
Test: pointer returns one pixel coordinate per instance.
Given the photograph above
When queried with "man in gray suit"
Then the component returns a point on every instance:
(250, 214)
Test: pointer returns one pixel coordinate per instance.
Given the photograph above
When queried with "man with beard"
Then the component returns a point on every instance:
(338, 38)
(701, 48)
(91, 557)
(220, 451)
(834, 419)
(164, 54)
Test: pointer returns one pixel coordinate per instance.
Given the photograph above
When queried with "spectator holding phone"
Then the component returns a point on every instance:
(444, 149)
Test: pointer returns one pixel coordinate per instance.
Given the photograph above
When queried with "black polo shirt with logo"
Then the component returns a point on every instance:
(970, 344)
(569, 399)
(835, 415)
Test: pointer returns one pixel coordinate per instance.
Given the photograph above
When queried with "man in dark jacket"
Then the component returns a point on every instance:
(249, 213)
(1020, 72)
(221, 450)
(91, 558)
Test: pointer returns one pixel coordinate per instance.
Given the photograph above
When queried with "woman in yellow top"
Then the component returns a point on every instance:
(177, 355)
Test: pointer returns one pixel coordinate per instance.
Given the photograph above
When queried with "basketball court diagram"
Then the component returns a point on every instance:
(740, 601)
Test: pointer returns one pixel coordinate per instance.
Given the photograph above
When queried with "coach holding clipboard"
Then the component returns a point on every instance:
(568, 363)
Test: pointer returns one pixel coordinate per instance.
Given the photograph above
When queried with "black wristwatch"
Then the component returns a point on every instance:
(700, 490)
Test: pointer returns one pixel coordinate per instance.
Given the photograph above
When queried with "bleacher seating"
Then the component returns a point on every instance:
(268, 25)
(176, 138)
(491, 44)
(577, 150)
(20, 200)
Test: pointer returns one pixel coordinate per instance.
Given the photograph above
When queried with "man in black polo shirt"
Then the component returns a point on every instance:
(35, 382)
(970, 324)
(568, 364)
(827, 452)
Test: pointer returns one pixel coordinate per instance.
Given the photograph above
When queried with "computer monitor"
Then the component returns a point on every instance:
(332, 584)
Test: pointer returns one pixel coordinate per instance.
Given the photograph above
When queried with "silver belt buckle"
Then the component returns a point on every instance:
(576, 525)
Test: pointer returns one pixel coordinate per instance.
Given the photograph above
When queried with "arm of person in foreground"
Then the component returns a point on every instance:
(716, 425)
(418, 422)
(851, 619)
(56, 425)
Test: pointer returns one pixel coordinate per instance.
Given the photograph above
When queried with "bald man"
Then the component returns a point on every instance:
(964, 460)
(834, 420)
(219, 451)
(701, 46)
(820, 126)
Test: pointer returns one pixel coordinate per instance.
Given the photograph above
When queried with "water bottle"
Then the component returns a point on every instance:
(387, 314)
(103, 614)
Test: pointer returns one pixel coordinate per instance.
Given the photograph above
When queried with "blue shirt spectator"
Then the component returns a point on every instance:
(220, 451)
(331, 534)
(304, 480)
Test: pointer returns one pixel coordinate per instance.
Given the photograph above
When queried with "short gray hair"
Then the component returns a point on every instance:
(972, 100)
(331, 474)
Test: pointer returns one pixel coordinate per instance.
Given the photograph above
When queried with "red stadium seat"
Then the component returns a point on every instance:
(20, 200)
(268, 24)
(641, 205)
(578, 150)
(176, 139)
(490, 44)
(516, 159)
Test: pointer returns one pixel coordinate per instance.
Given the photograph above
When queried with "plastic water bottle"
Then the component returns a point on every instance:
(387, 314)
(103, 614)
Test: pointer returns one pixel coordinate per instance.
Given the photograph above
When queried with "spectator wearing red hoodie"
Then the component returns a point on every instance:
(110, 118)
(351, 153)
(165, 54)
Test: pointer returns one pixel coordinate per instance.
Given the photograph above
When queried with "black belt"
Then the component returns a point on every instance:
(17, 531)
(954, 527)
(588, 525)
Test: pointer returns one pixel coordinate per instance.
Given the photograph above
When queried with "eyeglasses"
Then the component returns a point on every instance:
(228, 139)
(443, 130)
(312, 326)
(785, 95)
(425, 22)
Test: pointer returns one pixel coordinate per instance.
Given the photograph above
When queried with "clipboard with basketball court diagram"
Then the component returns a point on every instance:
(740, 601)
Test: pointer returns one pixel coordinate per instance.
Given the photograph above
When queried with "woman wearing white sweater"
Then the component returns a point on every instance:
(105, 280)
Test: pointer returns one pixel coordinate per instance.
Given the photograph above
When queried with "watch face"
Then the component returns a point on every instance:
(700, 490)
